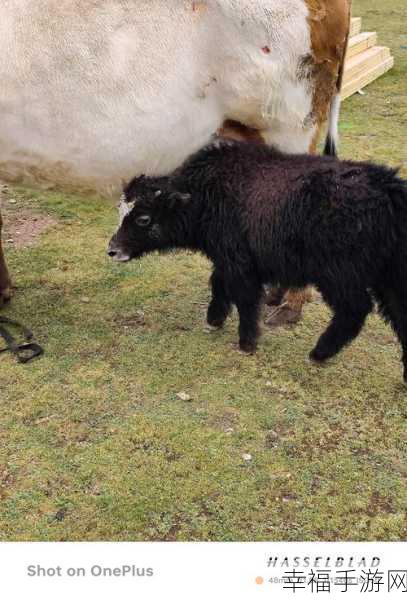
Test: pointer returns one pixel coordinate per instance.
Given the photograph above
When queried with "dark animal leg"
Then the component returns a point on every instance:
(220, 305)
(393, 308)
(347, 322)
(5, 283)
(247, 295)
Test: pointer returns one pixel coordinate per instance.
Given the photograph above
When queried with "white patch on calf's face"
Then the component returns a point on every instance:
(125, 208)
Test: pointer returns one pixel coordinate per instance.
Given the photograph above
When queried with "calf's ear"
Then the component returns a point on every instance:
(177, 198)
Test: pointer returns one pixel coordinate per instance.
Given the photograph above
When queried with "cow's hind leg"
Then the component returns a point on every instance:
(288, 305)
(347, 322)
(5, 282)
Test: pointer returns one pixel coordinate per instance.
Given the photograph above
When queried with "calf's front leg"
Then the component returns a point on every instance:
(220, 305)
(247, 295)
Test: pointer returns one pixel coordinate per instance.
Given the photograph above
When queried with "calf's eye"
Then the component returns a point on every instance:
(143, 221)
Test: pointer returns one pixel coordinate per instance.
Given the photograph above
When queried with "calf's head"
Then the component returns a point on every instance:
(148, 212)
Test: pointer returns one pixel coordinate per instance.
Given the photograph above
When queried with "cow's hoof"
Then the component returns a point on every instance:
(274, 296)
(5, 295)
(282, 315)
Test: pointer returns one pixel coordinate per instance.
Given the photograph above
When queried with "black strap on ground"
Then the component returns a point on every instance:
(23, 352)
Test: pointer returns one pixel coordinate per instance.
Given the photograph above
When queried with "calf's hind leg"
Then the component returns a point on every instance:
(220, 305)
(393, 307)
(347, 322)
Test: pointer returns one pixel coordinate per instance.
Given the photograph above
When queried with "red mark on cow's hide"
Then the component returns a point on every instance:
(199, 7)
(266, 49)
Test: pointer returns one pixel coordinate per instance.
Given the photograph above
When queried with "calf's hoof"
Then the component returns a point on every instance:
(318, 356)
(274, 296)
(248, 347)
(282, 315)
(216, 318)
(216, 323)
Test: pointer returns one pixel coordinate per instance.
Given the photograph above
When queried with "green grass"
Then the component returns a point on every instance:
(94, 441)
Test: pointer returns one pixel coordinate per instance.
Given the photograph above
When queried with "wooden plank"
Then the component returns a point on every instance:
(355, 26)
(367, 78)
(359, 83)
(365, 61)
(361, 42)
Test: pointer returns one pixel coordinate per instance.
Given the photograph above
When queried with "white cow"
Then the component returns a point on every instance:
(93, 92)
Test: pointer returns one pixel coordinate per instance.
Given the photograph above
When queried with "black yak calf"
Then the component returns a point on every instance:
(264, 217)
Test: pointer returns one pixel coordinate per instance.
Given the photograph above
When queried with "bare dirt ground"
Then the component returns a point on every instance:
(22, 226)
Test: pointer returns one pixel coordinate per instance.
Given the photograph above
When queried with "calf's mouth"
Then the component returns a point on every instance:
(117, 253)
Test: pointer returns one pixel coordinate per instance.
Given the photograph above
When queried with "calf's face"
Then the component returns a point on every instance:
(147, 209)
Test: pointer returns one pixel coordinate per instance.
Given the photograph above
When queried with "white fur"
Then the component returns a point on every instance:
(333, 125)
(125, 208)
(97, 92)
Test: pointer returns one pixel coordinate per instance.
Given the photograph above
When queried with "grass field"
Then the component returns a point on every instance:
(95, 442)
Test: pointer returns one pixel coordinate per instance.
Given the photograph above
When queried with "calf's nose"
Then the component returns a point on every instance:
(117, 253)
(112, 248)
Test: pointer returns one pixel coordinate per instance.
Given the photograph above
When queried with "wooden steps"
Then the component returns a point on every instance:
(365, 60)
(361, 42)
(355, 26)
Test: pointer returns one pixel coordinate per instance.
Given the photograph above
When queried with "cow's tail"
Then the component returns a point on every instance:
(332, 138)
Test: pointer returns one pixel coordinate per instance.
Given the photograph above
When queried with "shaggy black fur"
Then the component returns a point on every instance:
(263, 217)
